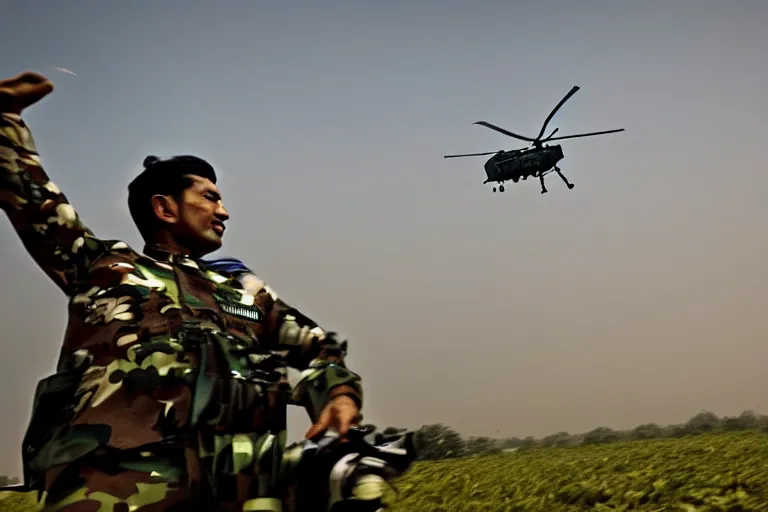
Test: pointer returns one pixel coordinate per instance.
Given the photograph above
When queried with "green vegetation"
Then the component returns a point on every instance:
(17, 502)
(438, 441)
(704, 465)
(722, 471)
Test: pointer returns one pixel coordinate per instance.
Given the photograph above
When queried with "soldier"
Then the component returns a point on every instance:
(171, 391)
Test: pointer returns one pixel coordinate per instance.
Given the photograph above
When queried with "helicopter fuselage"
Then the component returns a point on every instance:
(521, 164)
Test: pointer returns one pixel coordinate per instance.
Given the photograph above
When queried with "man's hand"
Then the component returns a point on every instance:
(21, 91)
(340, 414)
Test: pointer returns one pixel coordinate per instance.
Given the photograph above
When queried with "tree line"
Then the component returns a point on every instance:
(437, 441)
(7, 480)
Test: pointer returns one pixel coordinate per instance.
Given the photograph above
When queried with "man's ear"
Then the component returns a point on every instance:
(166, 209)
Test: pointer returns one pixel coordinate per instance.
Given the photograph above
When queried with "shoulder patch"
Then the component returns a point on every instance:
(226, 265)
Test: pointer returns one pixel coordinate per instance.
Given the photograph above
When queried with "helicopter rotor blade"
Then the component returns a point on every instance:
(573, 91)
(583, 135)
(505, 132)
(471, 154)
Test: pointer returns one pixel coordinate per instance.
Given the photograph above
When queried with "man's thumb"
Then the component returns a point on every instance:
(320, 425)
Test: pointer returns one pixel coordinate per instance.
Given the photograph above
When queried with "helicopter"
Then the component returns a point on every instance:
(535, 161)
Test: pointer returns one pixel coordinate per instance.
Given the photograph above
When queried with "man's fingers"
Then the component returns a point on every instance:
(29, 77)
(23, 90)
(320, 426)
(346, 418)
(340, 414)
(316, 429)
(343, 425)
(33, 92)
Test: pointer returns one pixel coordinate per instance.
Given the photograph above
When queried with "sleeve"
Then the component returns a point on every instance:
(318, 354)
(306, 346)
(48, 226)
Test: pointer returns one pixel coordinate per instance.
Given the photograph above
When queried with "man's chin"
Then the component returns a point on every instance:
(216, 243)
(209, 244)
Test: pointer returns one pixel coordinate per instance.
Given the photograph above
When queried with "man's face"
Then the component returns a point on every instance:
(200, 217)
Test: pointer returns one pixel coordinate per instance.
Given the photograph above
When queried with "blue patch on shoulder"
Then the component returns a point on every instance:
(226, 265)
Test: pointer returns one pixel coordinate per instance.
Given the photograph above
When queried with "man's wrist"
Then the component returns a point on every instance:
(348, 391)
(320, 383)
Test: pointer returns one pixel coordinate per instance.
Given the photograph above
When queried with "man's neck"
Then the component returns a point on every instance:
(163, 252)
(165, 249)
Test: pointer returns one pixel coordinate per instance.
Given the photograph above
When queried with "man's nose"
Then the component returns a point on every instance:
(221, 212)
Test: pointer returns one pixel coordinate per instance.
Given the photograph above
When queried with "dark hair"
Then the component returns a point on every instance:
(166, 177)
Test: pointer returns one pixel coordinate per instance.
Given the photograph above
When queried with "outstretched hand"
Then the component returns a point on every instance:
(340, 414)
(23, 90)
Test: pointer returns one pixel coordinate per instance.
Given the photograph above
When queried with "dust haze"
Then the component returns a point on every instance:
(636, 297)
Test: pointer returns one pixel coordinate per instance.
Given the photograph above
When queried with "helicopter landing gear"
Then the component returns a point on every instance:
(557, 170)
(501, 188)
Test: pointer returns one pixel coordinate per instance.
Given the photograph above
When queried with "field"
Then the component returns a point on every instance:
(710, 472)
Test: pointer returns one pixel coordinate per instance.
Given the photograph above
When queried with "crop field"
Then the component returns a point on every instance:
(709, 472)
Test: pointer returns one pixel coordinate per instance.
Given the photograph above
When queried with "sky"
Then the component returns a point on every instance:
(639, 296)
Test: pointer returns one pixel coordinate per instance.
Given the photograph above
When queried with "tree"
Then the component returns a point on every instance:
(437, 441)
(601, 435)
(510, 443)
(6, 481)
(745, 421)
(391, 431)
(558, 439)
(647, 431)
(675, 431)
(481, 446)
(705, 421)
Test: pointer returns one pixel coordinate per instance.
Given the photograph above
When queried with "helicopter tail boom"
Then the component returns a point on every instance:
(471, 154)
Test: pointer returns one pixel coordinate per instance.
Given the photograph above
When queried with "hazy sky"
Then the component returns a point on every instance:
(638, 296)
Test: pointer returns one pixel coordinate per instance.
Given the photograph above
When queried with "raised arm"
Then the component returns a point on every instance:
(46, 223)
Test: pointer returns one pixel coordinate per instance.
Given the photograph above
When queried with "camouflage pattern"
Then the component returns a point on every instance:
(171, 384)
(325, 476)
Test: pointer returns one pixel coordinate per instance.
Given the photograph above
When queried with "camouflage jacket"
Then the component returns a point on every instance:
(156, 343)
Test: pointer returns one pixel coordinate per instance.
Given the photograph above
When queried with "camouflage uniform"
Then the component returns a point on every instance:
(171, 391)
